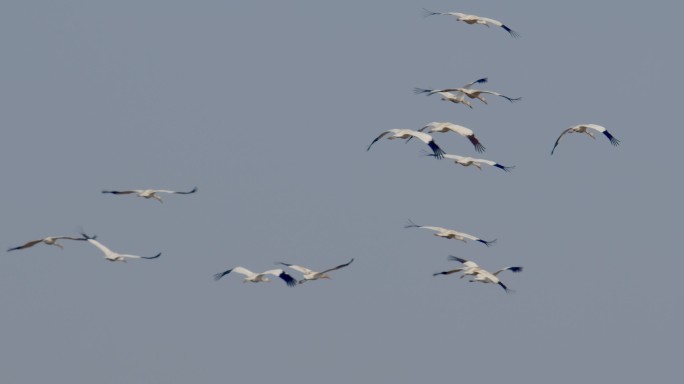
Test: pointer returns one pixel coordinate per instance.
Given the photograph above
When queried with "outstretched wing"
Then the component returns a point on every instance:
(603, 130)
(338, 267)
(502, 25)
(27, 245)
(511, 99)
(478, 81)
(240, 270)
(495, 164)
(297, 268)
(559, 138)
(448, 272)
(378, 138)
(465, 262)
(512, 269)
(119, 192)
(177, 192)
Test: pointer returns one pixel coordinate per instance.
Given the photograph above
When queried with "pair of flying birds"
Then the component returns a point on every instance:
(307, 274)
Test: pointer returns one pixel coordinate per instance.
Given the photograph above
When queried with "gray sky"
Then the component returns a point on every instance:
(267, 107)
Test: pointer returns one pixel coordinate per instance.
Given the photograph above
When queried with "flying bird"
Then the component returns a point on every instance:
(583, 128)
(450, 233)
(113, 256)
(446, 95)
(259, 277)
(480, 274)
(50, 240)
(477, 94)
(313, 275)
(150, 193)
(461, 130)
(468, 161)
(408, 133)
(472, 19)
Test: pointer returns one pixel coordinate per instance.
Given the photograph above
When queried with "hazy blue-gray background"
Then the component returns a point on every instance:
(267, 107)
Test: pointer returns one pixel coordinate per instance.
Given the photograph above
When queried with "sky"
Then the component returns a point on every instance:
(268, 107)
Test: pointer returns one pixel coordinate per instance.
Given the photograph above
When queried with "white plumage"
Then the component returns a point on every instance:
(473, 19)
(584, 128)
(114, 256)
(309, 274)
(408, 133)
(259, 277)
(450, 233)
(150, 193)
(480, 275)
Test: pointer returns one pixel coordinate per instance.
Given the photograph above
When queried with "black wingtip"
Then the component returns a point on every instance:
(411, 224)
(480, 148)
(456, 258)
(487, 243)
(511, 32)
(86, 237)
(481, 81)
(289, 280)
(612, 139)
(439, 153)
(152, 257)
(13, 249)
(427, 13)
(515, 269)
(218, 276)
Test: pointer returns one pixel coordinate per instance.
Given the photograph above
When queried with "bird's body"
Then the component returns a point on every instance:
(585, 128)
(470, 161)
(446, 233)
(49, 240)
(259, 277)
(480, 274)
(408, 133)
(477, 94)
(461, 130)
(114, 256)
(473, 19)
(308, 274)
(150, 193)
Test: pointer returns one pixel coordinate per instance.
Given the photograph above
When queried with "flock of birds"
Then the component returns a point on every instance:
(458, 95)
(465, 95)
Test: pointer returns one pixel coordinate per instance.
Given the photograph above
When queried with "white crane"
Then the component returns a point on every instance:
(472, 19)
(408, 133)
(449, 127)
(481, 275)
(446, 95)
(450, 233)
(313, 275)
(113, 256)
(259, 277)
(477, 94)
(468, 161)
(583, 128)
(50, 240)
(150, 193)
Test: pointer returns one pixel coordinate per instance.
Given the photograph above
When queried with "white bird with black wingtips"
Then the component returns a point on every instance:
(480, 275)
(467, 161)
(448, 95)
(472, 19)
(313, 275)
(450, 233)
(114, 256)
(259, 277)
(408, 133)
(584, 128)
(49, 240)
(150, 193)
(450, 127)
